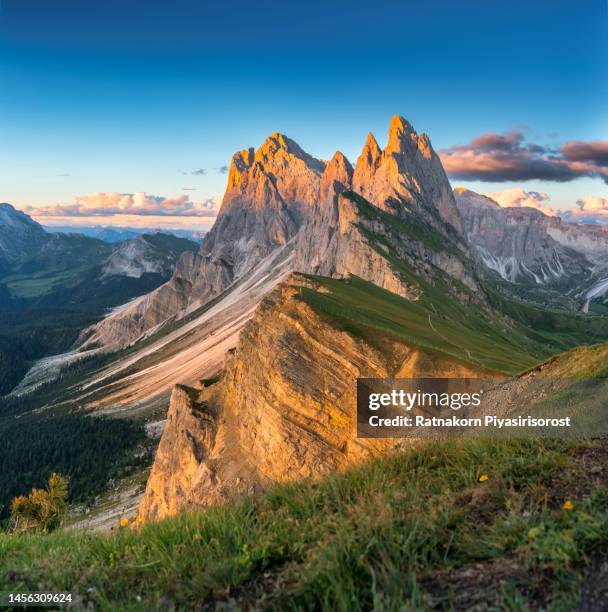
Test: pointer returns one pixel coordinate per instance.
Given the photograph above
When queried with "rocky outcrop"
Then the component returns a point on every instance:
(278, 191)
(284, 408)
(395, 208)
(180, 463)
(318, 218)
(146, 254)
(334, 245)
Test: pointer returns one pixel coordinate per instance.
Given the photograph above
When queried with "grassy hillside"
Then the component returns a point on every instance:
(419, 528)
(440, 322)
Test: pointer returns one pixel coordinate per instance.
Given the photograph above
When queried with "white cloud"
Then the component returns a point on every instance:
(140, 203)
(518, 198)
(592, 203)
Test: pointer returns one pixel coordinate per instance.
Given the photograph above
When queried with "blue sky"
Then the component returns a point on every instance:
(126, 97)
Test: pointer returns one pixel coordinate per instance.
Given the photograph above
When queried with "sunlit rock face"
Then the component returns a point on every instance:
(406, 182)
(284, 408)
(278, 192)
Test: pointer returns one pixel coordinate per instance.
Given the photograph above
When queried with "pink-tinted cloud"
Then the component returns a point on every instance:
(140, 204)
(509, 157)
(518, 198)
(590, 209)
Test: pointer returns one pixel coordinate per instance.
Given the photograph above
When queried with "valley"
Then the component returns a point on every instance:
(54, 285)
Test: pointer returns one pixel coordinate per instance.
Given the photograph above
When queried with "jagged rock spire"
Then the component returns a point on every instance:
(338, 177)
(401, 136)
(406, 174)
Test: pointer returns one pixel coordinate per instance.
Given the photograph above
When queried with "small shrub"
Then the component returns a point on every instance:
(42, 509)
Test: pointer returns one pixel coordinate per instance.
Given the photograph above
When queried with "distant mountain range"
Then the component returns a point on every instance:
(111, 233)
(53, 285)
(542, 258)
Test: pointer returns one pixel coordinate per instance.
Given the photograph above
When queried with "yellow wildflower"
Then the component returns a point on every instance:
(484, 478)
(568, 505)
(534, 532)
(124, 521)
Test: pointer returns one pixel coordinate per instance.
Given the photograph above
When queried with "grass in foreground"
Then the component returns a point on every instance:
(441, 525)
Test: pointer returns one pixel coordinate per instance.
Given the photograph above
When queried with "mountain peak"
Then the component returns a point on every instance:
(7, 208)
(406, 172)
(19, 233)
(400, 134)
(467, 198)
(241, 162)
(338, 176)
(338, 163)
(11, 217)
(371, 151)
(279, 145)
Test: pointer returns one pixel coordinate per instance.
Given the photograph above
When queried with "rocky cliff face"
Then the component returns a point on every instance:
(285, 405)
(525, 246)
(278, 192)
(146, 254)
(284, 408)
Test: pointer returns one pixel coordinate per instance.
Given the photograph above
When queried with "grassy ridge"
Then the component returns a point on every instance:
(440, 322)
(401, 530)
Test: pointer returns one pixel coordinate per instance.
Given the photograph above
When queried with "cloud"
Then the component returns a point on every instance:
(594, 152)
(592, 203)
(590, 209)
(509, 157)
(517, 198)
(140, 204)
(203, 171)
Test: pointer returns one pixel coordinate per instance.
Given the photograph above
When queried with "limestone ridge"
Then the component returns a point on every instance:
(270, 193)
(284, 406)
(19, 234)
(407, 176)
(395, 209)
(182, 451)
